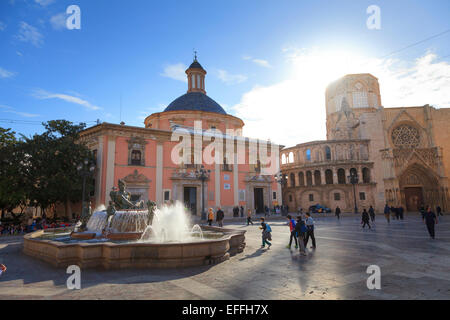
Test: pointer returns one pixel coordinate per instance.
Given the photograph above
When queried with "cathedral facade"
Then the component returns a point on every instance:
(373, 155)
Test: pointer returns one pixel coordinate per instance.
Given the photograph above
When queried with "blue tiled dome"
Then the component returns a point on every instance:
(195, 101)
(196, 64)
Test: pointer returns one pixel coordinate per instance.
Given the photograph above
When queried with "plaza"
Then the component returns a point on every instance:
(412, 267)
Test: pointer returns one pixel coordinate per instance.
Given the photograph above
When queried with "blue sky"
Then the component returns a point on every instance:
(260, 57)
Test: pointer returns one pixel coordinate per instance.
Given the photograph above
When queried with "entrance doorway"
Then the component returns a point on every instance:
(414, 198)
(190, 199)
(259, 200)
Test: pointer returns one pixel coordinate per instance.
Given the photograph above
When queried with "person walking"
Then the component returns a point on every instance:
(430, 220)
(337, 212)
(249, 217)
(210, 216)
(2, 269)
(439, 211)
(372, 214)
(219, 217)
(365, 219)
(235, 212)
(293, 233)
(300, 229)
(266, 233)
(310, 230)
(242, 211)
(386, 213)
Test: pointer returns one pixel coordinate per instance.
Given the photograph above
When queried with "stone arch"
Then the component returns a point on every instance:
(301, 179)
(329, 176)
(419, 186)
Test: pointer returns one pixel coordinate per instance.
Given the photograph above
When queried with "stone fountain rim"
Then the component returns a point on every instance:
(227, 235)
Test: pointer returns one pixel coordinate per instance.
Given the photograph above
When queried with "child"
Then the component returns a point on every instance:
(249, 217)
(300, 229)
(266, 233)
(293, 233)
(210, 216)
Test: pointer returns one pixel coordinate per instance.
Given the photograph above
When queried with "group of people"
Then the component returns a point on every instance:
(20, 228)
(219, 216)
(300, 231)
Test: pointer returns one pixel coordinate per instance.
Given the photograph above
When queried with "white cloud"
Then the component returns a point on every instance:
(260, 62)
(42, 94)
(176, 72)
(9, 109)
(228, 78)
(2, 26)
(44, 3)
(293, 111)
(28, 33)
(5, 73)
(58, 21)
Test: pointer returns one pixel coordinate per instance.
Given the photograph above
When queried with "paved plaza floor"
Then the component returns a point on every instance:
(412, 267)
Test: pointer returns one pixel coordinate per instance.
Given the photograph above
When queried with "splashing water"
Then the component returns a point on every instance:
(97, 222)
(171, 224)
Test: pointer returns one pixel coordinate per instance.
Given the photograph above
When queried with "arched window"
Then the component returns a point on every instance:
(354, 172)
(317, 178)
(328, 176)
(366, 175)
(283, 159)
(341, 176)
(309, 178)
(308, 155)
(292, 179)
(136, 157)
(291, 157)
(327, 153)
(301, 179)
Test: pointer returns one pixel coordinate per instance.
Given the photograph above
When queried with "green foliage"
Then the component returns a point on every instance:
(42, 170)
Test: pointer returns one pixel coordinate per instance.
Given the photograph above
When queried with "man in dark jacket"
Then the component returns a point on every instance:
(430, 220)
(338, 212)
(387, 214)
(365, 219)
(242, 211)
(219, 217)
(372, 214)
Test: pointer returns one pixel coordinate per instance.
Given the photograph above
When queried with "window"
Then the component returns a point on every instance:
(292, 178)
(362, 196)
(405, 136)
(166, 195)
(136, 158)
(311, 197)
(317, 178)
(290, 198)
(328, 176)
(308, 155)
(274, 195)
(309, 178)
(301, 179)
(337, 196)
(283, 159)
(341, 176)
(291, 157)
(327, 153)
(226, 166)
(366, 175)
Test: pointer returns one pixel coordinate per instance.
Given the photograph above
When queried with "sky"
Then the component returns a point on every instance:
(268, 62)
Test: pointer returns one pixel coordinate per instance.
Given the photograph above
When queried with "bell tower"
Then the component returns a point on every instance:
(196, 77)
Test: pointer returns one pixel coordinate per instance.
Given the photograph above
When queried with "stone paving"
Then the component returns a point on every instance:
(412, 267)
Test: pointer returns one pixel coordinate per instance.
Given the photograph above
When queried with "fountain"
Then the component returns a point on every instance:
(127, 235)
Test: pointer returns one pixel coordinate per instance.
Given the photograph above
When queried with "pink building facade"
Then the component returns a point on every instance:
(161, 160)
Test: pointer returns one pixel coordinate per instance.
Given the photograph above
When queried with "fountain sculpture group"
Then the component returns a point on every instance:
(126, 234)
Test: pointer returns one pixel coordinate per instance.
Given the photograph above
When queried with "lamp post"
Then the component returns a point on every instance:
(282, 180)
(85, 169)
(353, 178)
(203, 175)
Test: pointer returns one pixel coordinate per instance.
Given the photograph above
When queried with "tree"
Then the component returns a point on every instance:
(12, 191)
(50, 164)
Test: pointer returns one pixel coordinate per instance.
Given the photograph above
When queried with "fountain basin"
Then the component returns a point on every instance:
(116, 255)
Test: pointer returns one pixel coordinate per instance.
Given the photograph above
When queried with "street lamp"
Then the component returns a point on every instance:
(353, 178)
(203, 175)
(282, 180)
(85, 169)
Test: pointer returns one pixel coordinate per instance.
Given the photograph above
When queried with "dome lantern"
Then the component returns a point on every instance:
(196, 77)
